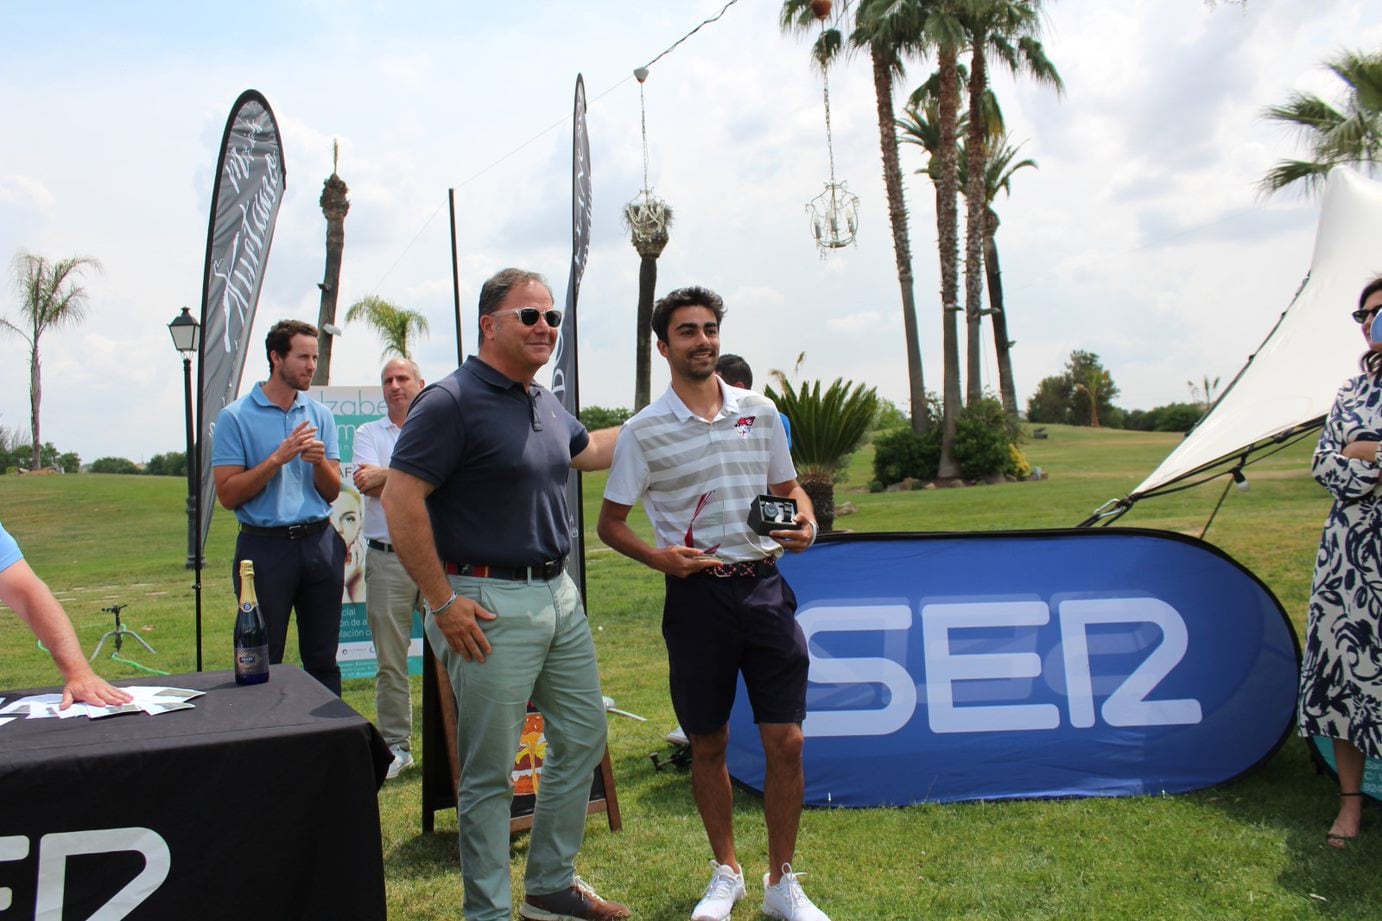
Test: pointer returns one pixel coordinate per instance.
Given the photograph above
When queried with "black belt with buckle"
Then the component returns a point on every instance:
(544, 572)
(748, 569)
(378, 545)
(288, 532)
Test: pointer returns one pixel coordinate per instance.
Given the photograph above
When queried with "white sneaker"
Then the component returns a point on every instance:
(787, 901)
(402, 759)
(726, 887)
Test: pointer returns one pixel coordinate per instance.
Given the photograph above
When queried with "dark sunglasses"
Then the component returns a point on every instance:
(1361, 314)
(529, 315)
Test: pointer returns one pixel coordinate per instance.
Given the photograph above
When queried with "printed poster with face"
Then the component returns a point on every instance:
(353, 407)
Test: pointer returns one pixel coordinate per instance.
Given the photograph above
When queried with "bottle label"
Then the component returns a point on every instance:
(251, 660)
(247, 606)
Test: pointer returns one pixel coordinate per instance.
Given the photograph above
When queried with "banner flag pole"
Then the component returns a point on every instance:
(250, 179)
(565, 372)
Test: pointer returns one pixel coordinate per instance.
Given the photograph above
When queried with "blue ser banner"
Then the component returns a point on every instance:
(1109, 662)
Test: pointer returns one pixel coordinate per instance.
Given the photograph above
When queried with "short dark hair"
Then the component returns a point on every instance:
(1371, 362)
(498, 286)
(694, 296)
(279, 341)
(735, 371)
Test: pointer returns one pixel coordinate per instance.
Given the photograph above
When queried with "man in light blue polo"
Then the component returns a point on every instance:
(277, 465)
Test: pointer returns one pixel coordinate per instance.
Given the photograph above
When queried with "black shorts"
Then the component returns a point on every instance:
(717, 628)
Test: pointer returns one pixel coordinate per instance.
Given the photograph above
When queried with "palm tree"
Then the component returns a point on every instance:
(394, 324)
(1095, 385)
(648, 219)
(335, 205)
(889, 30)
(826, 429)
(1349, 135)
(1008, 30)
(49, 298)
(998, 173)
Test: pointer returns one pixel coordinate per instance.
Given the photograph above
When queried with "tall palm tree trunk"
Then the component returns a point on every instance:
(902, 247)
(1006, 390)
(643, 363)
(35, 398)
(335, 206)
(975, 205)
(947, 219)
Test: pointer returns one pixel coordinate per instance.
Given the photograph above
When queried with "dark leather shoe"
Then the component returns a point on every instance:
(575, 903)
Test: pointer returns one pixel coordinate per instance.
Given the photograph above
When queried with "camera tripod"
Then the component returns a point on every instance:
(119, 634)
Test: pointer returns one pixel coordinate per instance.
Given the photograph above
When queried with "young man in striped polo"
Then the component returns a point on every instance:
(698, 457)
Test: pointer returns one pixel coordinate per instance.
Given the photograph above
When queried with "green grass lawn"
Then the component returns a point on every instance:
(1253, 848)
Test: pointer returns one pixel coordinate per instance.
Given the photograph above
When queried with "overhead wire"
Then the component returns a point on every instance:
(545, 131)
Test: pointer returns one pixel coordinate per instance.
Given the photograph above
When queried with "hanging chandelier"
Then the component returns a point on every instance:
(835, 212)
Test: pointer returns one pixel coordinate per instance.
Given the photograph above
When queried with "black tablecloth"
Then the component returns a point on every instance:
(264, 797)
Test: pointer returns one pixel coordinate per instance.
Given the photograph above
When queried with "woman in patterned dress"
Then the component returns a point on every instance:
(1341, 675)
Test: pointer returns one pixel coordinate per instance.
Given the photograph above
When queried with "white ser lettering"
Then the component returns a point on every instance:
(1127, 704)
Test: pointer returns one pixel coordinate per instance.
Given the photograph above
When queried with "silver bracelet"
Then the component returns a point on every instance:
(448, 603)
(814, 532)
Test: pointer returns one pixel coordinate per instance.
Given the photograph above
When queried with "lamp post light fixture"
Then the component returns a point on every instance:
(187, 335)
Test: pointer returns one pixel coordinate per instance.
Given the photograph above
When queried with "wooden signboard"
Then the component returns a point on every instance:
(441, 776)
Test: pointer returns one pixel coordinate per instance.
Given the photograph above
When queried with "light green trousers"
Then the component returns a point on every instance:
(542, 651)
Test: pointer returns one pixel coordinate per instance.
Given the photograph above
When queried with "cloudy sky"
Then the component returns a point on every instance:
(1141, 236)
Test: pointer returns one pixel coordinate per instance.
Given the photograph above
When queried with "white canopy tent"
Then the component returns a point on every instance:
(1287, 386)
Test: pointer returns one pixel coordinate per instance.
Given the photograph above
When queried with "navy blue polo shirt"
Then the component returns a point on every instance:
(499, 456)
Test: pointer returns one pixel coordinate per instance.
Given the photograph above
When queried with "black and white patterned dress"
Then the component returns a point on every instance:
(1341, 675)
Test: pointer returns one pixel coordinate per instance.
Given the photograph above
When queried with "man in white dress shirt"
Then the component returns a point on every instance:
(390, 595)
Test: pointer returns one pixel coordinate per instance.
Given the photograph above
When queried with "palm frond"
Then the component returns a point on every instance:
(826, 427)
(394, 324)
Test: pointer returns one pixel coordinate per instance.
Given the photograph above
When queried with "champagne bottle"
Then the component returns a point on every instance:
(251, 636)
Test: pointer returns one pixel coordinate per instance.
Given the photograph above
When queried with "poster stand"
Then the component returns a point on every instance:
(441, 776)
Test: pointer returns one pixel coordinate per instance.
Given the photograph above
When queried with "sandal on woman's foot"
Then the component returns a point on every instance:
(1338, 841)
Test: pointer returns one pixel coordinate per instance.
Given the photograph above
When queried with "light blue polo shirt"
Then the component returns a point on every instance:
(248, 431)
(9, 550)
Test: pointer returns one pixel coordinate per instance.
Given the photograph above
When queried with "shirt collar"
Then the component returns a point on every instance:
(260, 397)
(495, 378)
(729, 402)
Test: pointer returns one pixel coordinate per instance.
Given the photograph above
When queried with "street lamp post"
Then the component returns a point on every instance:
(186, 333)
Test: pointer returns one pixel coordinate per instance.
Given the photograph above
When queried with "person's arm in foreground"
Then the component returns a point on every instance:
(31, 599)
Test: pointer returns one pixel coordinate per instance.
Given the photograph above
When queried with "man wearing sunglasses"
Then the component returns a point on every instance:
(476, 505)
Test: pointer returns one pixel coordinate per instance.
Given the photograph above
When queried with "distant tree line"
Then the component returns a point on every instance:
(173, 463)
(1082, 394)
(16, 453)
